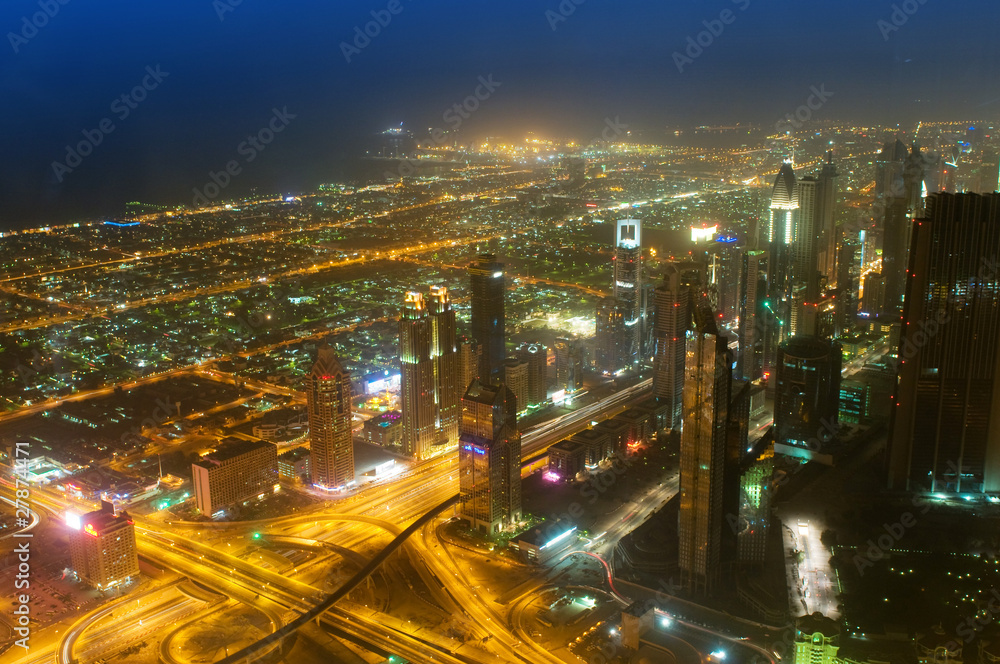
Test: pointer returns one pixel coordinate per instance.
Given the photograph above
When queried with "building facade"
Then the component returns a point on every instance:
(488, 319)
(945, 429)
(103, 551)
(328, 394)
(236, 471)
(489, 458)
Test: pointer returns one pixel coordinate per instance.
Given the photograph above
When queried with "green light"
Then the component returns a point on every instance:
(256, 535)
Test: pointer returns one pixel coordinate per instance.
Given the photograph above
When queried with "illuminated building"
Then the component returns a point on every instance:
(777, 236)
(385, 430)
(611, 337)
(703, 453)
(855, 402)
(102, 548)
(826, 223)
(807, 393)
(945, 430)
(544, 541)
(469, 354)
(536, 356)
(488, 319)
(566, 459)
(489, 458)
(294, 464)
(804, 247)
(515, 377)
(236, 471)
(597, 446)
(817, 640)
(429, 360)
(756, 327)
(328, 394)
(672, 318)
(561, 352)
(755, 507)
(628, 288)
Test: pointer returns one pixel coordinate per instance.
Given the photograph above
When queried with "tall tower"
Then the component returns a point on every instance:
(537, 357)
(488, 316)
(945, 431)
(826, 222)
(807, 394)
(672, 318)
(429, 361)
(804, 268)
(489, 458)
(628, 286)
(756, 321)
(328, 393)
(777, 237)
(444, 350)
(611, 336)
(707, 379)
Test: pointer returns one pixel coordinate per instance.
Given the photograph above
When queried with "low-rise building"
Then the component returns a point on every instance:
(294, 464)
(385, 430)
(538, 544)
(567, 458)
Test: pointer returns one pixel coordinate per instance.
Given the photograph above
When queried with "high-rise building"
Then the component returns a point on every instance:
(561, 352)
(328, 394)
(537, 357)
(236, 471)
(805, 246)
(672, 318)
(807, 394)
(707, 379)
(515, 377)
(102, 550)
(757, 323)
(945, 431)
(826, 222)
(469, 354)
(755, 506)
(429, 361)
(489, 458)
(777, 236)
(611, 337)
(488, 319)
(899, 187)
(628, 287)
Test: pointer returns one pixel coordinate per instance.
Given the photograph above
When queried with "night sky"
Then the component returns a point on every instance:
(607, 59)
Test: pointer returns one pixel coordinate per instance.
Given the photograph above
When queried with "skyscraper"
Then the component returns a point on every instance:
(489, 458)
(515, 377)
(611, 337)
(469, 354)
(826, 222)
(756, 321)
(777, 236)
(707, 378)
(102, 549)
(807, 394)
(429, 360)
(899, 186)
(804, 268)
(628, 286)
(328, 393)
(488, 320)
(945, 431)
(672, 318)
(536, 355)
